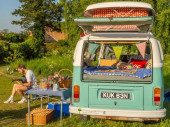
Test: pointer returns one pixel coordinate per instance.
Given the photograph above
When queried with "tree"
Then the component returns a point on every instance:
(38, 14)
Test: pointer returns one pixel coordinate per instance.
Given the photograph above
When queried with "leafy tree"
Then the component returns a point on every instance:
(15, 37)
(38, 14)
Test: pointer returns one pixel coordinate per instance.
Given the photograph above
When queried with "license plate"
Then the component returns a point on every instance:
(115, 95)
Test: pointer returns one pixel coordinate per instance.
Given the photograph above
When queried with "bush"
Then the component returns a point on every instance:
(10, 52)
(5, 52)
(63, 42)
(46, 65)
(52, 46)
(15, 37)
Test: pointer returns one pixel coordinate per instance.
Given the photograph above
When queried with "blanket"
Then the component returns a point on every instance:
(105, 70)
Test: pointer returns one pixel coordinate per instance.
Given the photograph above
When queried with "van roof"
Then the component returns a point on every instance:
(89, 10)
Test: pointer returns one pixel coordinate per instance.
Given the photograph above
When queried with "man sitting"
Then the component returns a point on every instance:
(20, 88)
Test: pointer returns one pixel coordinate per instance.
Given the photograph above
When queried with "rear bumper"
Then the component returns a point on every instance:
(118, 113)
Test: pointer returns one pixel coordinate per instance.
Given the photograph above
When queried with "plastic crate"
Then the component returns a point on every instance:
(57, 109)
(40, 116)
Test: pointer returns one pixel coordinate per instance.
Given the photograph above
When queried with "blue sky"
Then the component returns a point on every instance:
(6, 8)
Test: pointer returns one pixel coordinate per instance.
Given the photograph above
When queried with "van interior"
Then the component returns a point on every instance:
(117, 61)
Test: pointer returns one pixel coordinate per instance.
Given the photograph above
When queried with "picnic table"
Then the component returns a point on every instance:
(64, 94)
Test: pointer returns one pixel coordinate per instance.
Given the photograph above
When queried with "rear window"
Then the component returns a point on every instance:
(117, 61)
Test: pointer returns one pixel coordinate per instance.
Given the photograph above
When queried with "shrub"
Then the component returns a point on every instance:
(52, 46)
(5, 52)
(63, 42)
(15, 37)
(10, 52)
(46, 65)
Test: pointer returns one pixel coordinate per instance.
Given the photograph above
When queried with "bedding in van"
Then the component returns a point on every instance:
(111, 71)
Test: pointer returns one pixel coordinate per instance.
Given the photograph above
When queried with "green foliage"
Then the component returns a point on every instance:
(52, 46)
(63, 42)
(162, 24)
(38, 14)
(39, 32)
(14, 37)
(58, 48)
(10, 52)
(4, 48)
(47, 65)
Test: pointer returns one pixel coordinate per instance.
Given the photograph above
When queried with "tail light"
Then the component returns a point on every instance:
(76, 93)
(157, 96)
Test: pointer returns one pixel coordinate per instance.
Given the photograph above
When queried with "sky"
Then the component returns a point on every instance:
(6, 8)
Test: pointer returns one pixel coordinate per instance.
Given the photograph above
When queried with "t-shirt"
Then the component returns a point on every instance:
(30, 77)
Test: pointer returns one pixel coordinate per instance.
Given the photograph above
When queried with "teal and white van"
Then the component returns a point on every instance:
(117, 71)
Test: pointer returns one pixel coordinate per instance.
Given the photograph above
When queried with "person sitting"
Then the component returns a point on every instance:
(20, 88)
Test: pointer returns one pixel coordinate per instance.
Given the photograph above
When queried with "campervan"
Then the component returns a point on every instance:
(117, 67)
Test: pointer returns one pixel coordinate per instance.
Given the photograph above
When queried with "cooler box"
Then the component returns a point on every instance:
(57, 109)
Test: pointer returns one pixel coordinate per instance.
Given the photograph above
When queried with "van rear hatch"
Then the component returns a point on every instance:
(117, 16)
(116, 97)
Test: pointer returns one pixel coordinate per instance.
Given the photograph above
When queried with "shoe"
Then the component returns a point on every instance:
(9, 101)
(23, 100)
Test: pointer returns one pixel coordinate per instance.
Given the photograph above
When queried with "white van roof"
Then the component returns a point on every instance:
(89, 10)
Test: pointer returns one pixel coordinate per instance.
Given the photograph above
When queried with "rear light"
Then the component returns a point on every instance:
(76, 93)
(157, 96)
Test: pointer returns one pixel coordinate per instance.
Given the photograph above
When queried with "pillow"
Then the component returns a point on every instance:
(127, 67)
(149, 64)
(138, 64)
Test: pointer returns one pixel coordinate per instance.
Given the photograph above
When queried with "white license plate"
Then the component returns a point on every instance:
(115, 95)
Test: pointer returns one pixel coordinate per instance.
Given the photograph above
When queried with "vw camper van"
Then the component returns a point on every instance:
(117, 68)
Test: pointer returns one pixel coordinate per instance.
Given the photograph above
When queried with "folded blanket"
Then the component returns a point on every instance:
(105, 70)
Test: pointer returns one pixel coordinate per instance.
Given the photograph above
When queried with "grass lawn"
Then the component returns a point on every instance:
(14, 114)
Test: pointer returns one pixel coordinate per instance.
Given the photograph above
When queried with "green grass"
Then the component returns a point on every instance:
(14, 114)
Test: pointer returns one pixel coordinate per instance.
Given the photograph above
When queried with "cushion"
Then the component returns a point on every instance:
(127, 67)
(107, 62)
(138, 64)
(149, 64)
